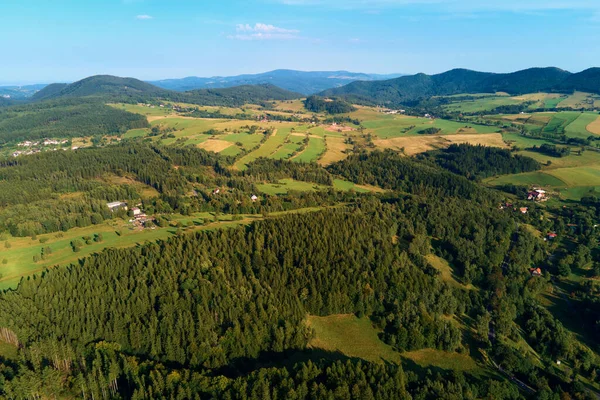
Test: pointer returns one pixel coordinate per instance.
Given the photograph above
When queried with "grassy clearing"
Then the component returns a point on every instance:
(446, 272)
(284, 186)
(356, 337)
(314, 150)
(352, 336)
(215, 145)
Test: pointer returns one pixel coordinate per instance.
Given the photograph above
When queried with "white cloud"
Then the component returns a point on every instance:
(260, 31)
(455, 5)
(143, 17)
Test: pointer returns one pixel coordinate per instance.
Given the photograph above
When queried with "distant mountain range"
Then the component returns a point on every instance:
(295, 81)
(19, 92)
(407, 89)
(112, 88)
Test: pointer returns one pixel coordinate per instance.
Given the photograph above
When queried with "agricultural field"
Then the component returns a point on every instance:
(580, 100)
(486, 103)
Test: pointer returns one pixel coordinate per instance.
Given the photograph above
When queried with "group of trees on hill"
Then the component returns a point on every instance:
(478, 162)
(330, 106)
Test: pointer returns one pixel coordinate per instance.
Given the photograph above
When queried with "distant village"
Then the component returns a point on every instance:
(30, 147)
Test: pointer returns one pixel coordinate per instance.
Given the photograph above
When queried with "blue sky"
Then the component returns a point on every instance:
(65, 40)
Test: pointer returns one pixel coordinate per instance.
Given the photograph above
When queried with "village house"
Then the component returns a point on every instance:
(523, 210)
(552, 236)
(535, 271)
(136, 211)
(254, 197)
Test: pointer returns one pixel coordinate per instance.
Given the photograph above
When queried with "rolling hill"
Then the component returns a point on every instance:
(407, 89)
(112, 88)
(295, 81)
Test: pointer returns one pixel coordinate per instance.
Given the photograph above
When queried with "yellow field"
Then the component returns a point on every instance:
(215, 145)
(419, 144)
(335, 150)
(594, 127)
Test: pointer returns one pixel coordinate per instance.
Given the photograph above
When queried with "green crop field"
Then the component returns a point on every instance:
(267, 149)
(483, 104)
(287, 149)
(560, 121)
(315, 148)
(578, 128)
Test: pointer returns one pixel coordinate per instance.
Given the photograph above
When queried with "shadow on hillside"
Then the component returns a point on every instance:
(244, 365)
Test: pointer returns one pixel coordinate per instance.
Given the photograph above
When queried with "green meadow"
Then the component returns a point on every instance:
(312, 152)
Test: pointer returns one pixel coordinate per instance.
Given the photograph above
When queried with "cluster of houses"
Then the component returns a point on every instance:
(537, 195)
(26, 152)
(522, 210)
(139, 219)
(35, 147)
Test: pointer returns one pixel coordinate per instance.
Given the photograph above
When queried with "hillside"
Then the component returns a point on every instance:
(112, 88)
(64, 119)
(407, 89)
(295, 81)
(585, 81)
(100, 86)
(235, 96)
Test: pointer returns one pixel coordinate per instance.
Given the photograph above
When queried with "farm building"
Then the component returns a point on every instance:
(552, 236)
(254, 197)
(136, 211)
(523, 210)
(116, 205)
(535, 271)
(537, 195)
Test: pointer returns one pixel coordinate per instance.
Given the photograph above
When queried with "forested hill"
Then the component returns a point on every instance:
(238, 95)
(406, 89)
(112, 88)
(100, 85)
